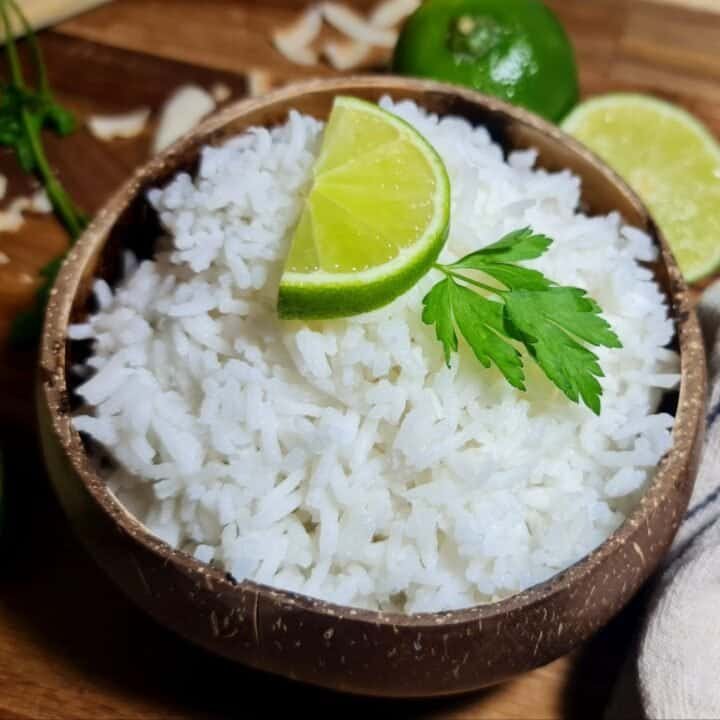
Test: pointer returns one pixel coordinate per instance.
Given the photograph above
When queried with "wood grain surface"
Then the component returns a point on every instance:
(71, 646)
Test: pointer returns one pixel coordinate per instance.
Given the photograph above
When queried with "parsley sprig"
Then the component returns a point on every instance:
(550, 321)
(25, 111)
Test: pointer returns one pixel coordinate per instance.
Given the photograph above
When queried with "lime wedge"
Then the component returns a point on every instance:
(374, 221)
(670, 159)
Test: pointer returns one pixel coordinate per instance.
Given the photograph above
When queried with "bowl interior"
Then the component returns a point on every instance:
(128, 222)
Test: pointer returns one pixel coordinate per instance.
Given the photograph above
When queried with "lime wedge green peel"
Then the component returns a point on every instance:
(374, 221)
(670, 159)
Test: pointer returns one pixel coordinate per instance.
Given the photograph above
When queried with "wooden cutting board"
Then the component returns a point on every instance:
(70, 645)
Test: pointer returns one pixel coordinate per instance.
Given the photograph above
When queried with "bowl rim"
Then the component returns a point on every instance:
(54, 390)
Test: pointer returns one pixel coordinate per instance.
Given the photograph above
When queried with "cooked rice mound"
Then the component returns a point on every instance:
(342, 459)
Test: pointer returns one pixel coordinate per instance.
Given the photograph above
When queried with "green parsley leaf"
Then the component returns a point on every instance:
(515, 277)
(437, 310)
(481, 324)
(547, 323)
(549, 320)
(572, 367)
(497, 260)
(518, 245)
(566, 307)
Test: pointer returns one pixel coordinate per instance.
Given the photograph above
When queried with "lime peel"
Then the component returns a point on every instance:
(344, 261)
(670, 159)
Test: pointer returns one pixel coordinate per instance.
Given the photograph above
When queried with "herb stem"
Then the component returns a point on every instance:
(457, 276)
(40, 69)
(60, 200)
(56, 192)
(555, 324)
(26, 108)
(13, 59)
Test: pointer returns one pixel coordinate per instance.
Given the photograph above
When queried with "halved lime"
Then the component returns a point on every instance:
(670, 159)
(375, 219)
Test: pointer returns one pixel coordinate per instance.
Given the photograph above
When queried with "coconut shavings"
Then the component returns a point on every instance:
(182, 112)
(355, 26)
(294, 41)
(359, 34)
(123, 125)
(221, 92)
(388, 14)
(259, 82)
(346, 55)
(12, 218)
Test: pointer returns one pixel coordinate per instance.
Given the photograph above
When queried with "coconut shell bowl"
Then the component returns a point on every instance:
(342, 648)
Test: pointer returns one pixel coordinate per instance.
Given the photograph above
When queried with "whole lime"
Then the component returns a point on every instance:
(516, 50)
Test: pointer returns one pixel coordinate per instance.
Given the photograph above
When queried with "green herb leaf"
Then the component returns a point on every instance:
(550, 321)
(481, 324)
(24, 113)
(497, 260)
(515, 277)
(565, 307)
(547, 323)
(437, 310)
(518, 245)
(59, 119)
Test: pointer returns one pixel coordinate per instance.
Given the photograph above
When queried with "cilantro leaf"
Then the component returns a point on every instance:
(481, 323)
(548, 323)
(437, 310)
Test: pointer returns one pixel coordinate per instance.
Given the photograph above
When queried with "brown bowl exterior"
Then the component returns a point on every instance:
(338, 647)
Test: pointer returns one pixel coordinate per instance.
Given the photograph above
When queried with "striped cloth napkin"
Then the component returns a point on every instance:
(675, 670)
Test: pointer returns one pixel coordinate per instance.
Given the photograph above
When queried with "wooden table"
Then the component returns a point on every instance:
(71, 646)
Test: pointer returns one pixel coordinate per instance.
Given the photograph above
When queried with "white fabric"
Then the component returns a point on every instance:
(677, 663)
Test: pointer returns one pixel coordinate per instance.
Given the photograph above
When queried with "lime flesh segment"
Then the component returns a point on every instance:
(670, 160)
(374, 221)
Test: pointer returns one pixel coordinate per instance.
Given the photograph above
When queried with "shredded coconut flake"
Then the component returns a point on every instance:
(294, 41)
(259, 82)
(185, 108)
(124, 125)
(389, 13)
(355, 26)
(346, 55)
(12, 218)
(220, 92)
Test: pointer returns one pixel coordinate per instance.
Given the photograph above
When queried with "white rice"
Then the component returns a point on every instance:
(342, 459)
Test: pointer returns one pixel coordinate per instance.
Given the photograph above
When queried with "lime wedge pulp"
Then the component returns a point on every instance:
(374, 221)
(670, 159)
